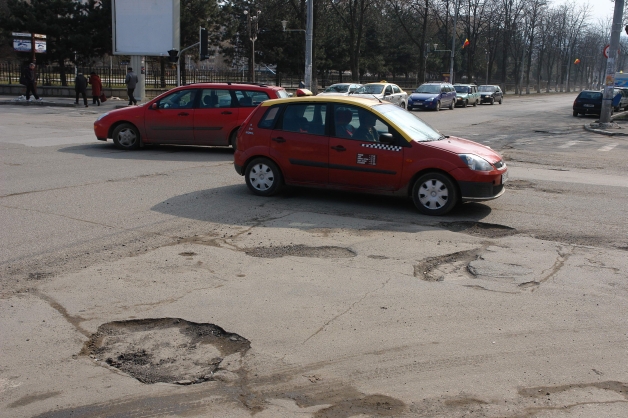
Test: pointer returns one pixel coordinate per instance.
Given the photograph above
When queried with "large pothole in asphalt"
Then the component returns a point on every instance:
(481, 229)
(301, 251)
(168, 350)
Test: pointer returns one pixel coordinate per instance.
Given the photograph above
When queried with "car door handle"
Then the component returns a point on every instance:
(226, 112)
(339, 148)
(279, 139)
(184, 114)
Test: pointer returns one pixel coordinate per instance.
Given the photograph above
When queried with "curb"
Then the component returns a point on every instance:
(25, 103)
(603, 132)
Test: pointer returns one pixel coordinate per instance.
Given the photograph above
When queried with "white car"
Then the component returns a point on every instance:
(384, 91)
(340, 89)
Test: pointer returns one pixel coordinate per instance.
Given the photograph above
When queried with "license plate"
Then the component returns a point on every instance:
(505, 177)
(588, 105)
(418, 104)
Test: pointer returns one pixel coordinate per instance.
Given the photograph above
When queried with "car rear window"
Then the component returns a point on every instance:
(282, 94)
(249, 98)
(268, 120)
(594, 95)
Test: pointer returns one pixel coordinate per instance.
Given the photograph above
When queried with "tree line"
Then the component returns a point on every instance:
(533, 44)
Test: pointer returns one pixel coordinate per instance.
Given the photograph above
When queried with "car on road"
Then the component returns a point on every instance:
(466, 94)
(383, 91)
(588, 102)
(363, 145)
(340, 89)
(432, 96)
(620, 99)
(490, 94)
(196, 114)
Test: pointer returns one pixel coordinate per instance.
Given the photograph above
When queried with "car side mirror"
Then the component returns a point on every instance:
(154, 106)
(387, 139)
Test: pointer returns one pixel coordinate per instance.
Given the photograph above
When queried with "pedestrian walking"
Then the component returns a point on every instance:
(94, 80)
(29, 79)
(80, 86)
(131, 81)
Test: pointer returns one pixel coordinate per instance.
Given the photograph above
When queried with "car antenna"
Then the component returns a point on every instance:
(377, 98)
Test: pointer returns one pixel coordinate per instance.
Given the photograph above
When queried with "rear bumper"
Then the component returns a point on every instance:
(587, 110)
(238, 169)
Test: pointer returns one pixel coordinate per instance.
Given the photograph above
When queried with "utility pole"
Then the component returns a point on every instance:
(253, 29)
(309, 35)
(453, 46)
(607, 102)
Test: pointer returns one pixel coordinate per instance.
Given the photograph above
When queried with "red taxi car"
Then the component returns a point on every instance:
(363, 145)
(196, 114)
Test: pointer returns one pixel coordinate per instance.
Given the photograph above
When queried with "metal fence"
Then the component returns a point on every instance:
(113, 77)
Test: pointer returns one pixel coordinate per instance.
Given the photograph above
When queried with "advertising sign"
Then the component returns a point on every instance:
(24, 45)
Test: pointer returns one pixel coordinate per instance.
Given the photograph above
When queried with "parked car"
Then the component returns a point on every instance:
(433, 96)
(466, 94)
(363, 145)
(196, 114)
(588, 102)
(490, 94)
(340, 89)
(383, 91)
(620, 99)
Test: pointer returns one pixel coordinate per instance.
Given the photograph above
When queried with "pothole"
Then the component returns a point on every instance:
(300, 251)
(480, 229)
(434, 269)
(525, 184)
(167, 350)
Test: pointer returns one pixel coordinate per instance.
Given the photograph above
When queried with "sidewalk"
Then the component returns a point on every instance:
(111, 103)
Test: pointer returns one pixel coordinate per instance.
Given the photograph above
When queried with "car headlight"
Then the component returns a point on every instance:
(475, 163)
(429, 100)
(102, 116)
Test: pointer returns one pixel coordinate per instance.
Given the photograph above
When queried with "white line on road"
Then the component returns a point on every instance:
(608, 147)
(569, 144)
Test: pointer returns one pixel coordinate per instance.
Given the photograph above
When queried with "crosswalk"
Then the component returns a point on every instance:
(607, 147)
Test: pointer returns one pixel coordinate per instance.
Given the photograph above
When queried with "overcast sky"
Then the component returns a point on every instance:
(600, 9)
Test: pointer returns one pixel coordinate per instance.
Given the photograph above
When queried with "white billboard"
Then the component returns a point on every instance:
(145, 27)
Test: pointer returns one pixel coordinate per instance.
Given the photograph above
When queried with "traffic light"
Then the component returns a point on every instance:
(204, 53)
(173, 55)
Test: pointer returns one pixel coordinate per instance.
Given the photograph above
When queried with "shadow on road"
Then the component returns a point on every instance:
(235, 205)
(153, 153)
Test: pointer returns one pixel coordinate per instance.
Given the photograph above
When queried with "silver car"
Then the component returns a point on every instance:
(340, 89)
(384, 91)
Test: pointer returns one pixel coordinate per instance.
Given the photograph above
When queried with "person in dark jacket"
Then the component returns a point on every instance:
(29, 79)
(131, 82)
(94, 80)
(80, 86)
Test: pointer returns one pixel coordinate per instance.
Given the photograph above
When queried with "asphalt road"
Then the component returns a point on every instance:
(116, 268)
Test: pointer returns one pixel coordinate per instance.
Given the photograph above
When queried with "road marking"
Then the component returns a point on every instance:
(569, 144)
(608, 147)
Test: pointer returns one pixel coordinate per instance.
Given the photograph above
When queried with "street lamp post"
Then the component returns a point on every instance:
(607, 102)
(487, 62)
(252, 23)
(309, 37)
(453, 46)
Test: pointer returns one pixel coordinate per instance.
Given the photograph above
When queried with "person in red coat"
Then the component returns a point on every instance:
(94, 80)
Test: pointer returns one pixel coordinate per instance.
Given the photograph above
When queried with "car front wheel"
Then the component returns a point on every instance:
(434, 194)
(263, 177)
(575, 114)
(437, 106)
(126, 137)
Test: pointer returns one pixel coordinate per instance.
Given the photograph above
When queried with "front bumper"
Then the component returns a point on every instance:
(480, 191)
(421, 105)
(487, 99)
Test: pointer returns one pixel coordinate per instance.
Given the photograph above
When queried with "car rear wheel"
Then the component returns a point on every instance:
(575, 114)
(126, 137)
(434, 194)
(501, 99)
(437, 106)
(403, 105)
(232, 139)
(475, 103)
(263, 177)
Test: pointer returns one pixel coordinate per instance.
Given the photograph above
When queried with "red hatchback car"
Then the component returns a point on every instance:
(363, 145)
(196, 114)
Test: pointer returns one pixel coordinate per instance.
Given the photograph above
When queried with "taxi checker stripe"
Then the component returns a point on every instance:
(383, 146)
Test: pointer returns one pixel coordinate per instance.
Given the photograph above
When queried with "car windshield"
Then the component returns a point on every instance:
(414, 127)
(428, 88)
(461, 89)
(370, 89)
(337, 88)
(489, 89)
(594, 95)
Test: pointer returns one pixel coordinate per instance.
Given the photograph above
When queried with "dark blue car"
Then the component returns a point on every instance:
(433, 96)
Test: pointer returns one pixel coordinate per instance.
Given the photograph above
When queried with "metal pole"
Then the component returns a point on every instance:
(453, 46)
(487, 62)
(607, 103)
(309, 31)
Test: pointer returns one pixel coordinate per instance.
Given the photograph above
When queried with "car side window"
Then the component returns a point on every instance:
(182, 99)
(214, 98)
(396, 89)
(304, 118)
(352, 122)
(249, 98)
(268, 120)
(388, 91)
